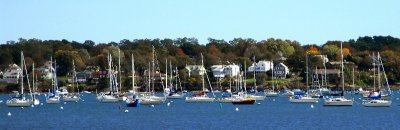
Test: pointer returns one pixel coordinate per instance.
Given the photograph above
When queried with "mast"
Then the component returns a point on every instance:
(119, 70)
(341, 64)
(55, 76)
(22, 74)
(325, 81)
(254, 72)
(133, 74)
(353, 77)
(202, 78)
(166, 72)
(171, 79)
(153, 70)
(73, 75)
(386, 80)
(379, 72)
(245, 76)
(109, 73)
(33, 77)
(51, 71)
(176, 79)
(272, 76)
(373, 64)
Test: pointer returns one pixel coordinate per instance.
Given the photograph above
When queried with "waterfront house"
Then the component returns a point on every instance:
(220, 71)
(280, 71)
(195, 70)
(12, 74)
(261, 66)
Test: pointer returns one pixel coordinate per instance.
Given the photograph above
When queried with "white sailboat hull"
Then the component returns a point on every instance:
(175, 96)
(226, 100)
(69, 98)
(258, 98)
(303, 100)
(338, 102)
(19, 103)
(377, 103)
(150, 101)
(199, 99)
(107, 99)
(271, 94)
(53, 100)
(288, 93)
(36, 101)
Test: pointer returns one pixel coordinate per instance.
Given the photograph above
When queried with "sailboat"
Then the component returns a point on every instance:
(149, 98)
(110, 97)
(132, 100)
(171, 92)
(339, 101)
(271, 93)
(201, 96)
(253, 92)
(377, 99)
(299, 96)
(19, 100)
(242, 98)
(121, 96)
(34, 87)
(53, 97)
(73, 97)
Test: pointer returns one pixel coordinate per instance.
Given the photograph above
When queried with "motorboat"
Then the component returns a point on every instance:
(377, 103)
(338, 101)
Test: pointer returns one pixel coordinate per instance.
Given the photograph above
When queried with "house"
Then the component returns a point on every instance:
(82, 77)
(195, 69)
(323, 58)
(220, 71)
(45, 70)
(261, 66)
(11, 74)
(281, 71)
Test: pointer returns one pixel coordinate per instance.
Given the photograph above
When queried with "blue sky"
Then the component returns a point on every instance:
(307, 21)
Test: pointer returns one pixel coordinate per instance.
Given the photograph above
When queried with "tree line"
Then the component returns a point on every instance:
(186, 51)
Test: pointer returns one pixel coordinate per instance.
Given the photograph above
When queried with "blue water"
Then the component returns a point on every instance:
(273, 113)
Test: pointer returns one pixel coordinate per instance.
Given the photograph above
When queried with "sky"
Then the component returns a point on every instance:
(306, 21)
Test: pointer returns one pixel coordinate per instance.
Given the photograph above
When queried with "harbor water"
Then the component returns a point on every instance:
(272, 113)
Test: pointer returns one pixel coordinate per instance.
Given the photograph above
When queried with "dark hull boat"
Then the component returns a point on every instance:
(247, 101)
(134, 103)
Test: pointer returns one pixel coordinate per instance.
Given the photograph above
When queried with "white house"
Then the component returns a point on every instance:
(45, 70)
(220, 71)
(261, 66)
(323, 58)
(195, 69)
(11, 74)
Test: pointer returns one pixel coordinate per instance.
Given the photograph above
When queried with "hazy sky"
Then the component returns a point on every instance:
(307, 21)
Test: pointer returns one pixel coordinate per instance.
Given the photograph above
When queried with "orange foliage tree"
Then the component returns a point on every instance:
(313, 50)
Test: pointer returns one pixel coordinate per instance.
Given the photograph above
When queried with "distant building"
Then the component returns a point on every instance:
(12, 74)
(281, 71)
(323, 58)
(195, 69)
(83, 77)
(261, 66)
(220, 71)
(46, 70)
